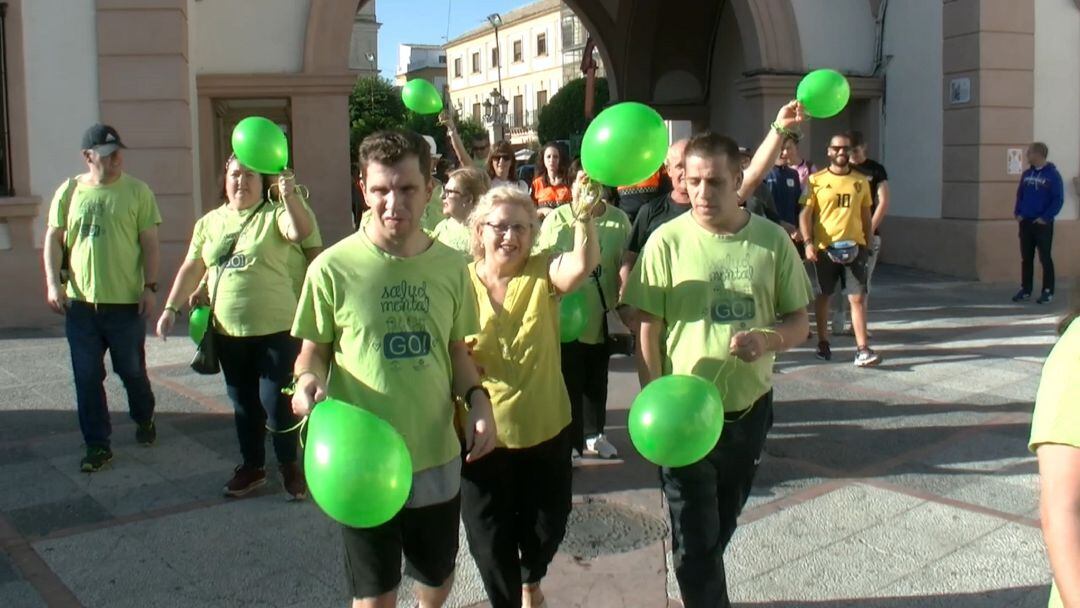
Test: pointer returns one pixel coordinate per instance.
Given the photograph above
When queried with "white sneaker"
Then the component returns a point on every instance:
(600, 446)
(575, 458)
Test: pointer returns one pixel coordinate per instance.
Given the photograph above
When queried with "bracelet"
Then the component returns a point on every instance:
(766, 332)
(290, 388)
(781, 130)
(467, 399)
(172, 309)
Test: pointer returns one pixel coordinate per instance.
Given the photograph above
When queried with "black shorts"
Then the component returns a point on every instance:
(852, 277)
(428, 536)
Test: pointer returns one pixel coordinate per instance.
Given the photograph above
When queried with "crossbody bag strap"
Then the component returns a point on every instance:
(232, 248)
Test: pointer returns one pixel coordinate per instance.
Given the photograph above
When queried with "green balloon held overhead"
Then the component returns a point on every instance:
(198, 322)
(421, 97)
(260, 145)
(358, 468)
(572, 316)
(676, 420)
(823, 93)
(624, 144)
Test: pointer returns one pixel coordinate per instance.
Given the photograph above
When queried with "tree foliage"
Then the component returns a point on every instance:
(564, 115)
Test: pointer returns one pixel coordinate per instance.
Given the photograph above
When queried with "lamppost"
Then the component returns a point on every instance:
(495, 20)
(495, 109)
(371, 60)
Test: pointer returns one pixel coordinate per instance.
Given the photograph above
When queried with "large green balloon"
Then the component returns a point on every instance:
(676, 420)
(260, 144)
(198, 322)
(573, 315)
(421, 97)
(358, 468)
(624, 144)
(823, 93)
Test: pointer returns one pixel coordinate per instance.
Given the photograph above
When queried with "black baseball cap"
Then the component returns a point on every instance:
(102, 139)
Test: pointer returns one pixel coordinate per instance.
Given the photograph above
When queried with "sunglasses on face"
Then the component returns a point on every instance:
(840, 148)
(502, 229)
(503, 157)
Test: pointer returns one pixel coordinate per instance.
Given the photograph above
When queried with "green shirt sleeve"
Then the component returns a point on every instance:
(149, 214)
(466, 313)
(1056, 418)
(793, 290)
(58, 208)
(314, 318)
(198, 239)
(650, 281)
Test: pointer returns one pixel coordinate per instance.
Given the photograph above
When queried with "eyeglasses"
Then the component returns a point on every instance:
(502, 229)
(840, 148)
(448, 191)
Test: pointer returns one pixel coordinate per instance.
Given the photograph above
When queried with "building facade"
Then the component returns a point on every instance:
(946, 92)
(539, 47)
(427, 61)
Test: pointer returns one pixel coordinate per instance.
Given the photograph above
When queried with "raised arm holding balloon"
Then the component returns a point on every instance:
(787, 119)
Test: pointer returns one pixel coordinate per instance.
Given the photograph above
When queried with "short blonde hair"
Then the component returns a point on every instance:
(474, 182)
(503, 195)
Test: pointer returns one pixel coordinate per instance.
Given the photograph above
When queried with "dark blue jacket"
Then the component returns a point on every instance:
(783, 182)
(1040, 193)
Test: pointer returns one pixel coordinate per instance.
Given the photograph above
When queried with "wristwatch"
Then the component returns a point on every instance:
(467, 399)
(151, 286)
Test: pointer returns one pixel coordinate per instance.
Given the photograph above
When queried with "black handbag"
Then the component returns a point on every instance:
(206, 360)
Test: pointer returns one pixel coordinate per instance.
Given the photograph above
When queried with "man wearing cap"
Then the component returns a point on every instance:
(835, 225)
(101, 264)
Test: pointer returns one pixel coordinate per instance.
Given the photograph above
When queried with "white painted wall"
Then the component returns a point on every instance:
(61, 91)
(1057, 91)
(912, 131)
(228, 36)
(839, 34)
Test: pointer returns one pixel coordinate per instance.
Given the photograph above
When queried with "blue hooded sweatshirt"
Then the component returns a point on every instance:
(1040, 193)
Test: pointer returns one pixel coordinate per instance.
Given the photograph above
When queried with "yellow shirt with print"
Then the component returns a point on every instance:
(1057, 406)
(518, 348)
(389, 321)
(838, 202)
(708, 287)
(613, 230)
(258, 287)
(101, 227)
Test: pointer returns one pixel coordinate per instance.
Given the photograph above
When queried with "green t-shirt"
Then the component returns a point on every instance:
(454, 235)
(433, 212)
(390, 321)
(102, 226)
(613, 230)
(1057, 404)
(707, 287)
(260, 283)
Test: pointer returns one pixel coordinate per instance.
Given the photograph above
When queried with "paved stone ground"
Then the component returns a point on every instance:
(907, 485)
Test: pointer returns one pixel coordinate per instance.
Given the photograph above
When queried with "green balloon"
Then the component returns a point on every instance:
(358, 468)
(624, 144)
(198, 322)
(823, 93)
(676, 420)
(260, 144)
(573, 315)
(421, 97)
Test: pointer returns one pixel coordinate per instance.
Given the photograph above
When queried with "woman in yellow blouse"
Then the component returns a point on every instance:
(515, 502)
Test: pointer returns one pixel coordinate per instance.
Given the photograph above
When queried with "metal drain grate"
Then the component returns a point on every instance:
(598, 528)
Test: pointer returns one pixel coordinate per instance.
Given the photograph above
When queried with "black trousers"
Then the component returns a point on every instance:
(1036, 237)
(515, 503)
(585, 372)
(256, 368)
(704, 501)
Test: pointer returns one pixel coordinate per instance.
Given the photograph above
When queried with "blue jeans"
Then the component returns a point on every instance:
(91, 330)
(704, 501)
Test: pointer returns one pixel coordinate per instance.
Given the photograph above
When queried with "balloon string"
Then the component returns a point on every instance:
(296, 427)
(734, 361)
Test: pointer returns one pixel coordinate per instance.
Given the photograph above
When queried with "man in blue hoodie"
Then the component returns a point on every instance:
(1038, 200)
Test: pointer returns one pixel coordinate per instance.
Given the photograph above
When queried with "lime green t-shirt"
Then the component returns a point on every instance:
(454, 235)
(390, 321)
(708, 287)
(1057, 404)
(613, 230)
(102, 226)
(433, 212)
(518, 349)
(258, 291)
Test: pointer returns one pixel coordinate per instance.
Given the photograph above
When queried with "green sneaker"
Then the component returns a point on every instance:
(146, 434)
(96, 457)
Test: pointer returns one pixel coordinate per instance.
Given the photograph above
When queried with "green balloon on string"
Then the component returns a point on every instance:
(421, 97)
(573, 316)
(260, 145)
(358, 467)
(624, 144)
(824, 93)
(676, 420)
(198, 322)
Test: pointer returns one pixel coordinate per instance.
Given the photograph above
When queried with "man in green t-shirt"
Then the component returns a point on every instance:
(720, 292)
(384, 315)
(101, 265)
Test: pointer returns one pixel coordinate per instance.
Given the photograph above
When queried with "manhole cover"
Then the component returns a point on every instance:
(598, 528)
